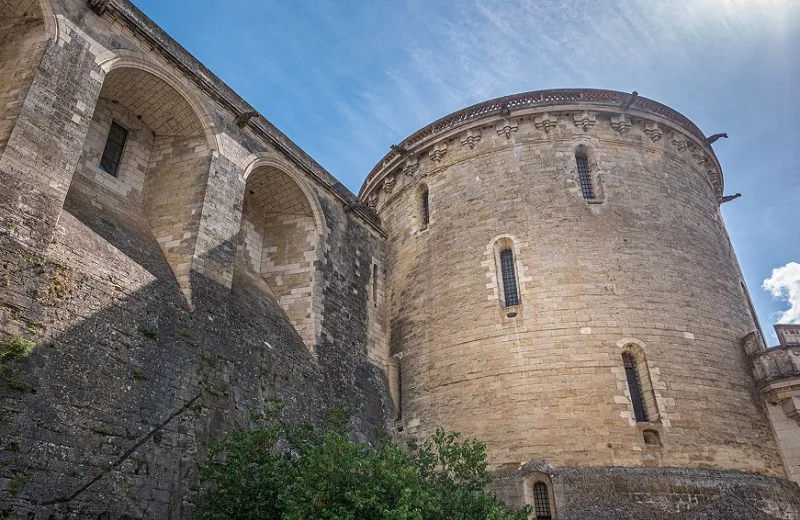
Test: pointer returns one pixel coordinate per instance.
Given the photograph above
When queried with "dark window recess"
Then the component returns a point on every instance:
(541, 501)
(375, 284)
(426, 210)
(586, 181)
(113, 150)
(635, 387)
(509, 278)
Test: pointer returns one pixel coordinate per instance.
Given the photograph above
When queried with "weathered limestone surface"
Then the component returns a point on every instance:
(646, 266)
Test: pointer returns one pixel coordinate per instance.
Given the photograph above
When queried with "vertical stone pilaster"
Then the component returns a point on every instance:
(43, 148)
(221, 215)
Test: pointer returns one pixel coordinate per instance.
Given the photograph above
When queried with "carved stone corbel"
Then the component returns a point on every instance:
(545, 122)
(388, 183)
(471, 138)
(653, 131)
(679, 142)
(621, 123)
(372, 201)
(506, 127)
(585, 120)
(438, 152)
(411, 166)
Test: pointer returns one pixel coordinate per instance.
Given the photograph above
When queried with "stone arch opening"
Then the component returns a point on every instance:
(163, 162)
(588, 173)
(281, 241)
(505, 254)
(637, 372)
(24, 32)
(422, 206)
(538, 492)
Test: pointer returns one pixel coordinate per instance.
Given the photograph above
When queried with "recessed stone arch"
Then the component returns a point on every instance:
(281, 240)
(636, 350)
(166, 156)
(25, 28)
(538, 493)
(122, 58)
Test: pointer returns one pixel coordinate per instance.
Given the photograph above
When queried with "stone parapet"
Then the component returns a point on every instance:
(546, 104)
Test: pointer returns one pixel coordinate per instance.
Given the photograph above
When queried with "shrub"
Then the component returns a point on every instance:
(277, 471)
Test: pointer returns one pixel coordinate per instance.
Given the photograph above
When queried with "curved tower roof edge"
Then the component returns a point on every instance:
(505, 105)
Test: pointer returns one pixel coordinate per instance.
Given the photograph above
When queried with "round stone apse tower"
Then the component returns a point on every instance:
(560, 285)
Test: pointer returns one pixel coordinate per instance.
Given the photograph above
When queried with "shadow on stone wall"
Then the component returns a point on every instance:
(110, 414)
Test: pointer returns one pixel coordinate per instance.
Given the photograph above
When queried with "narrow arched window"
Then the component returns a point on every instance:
(509, 276)
(587, 188)
(635, 387)
(541, 502)
(375, 284)
(424, 208)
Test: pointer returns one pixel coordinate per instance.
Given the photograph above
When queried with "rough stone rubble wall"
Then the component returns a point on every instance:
(110, 414)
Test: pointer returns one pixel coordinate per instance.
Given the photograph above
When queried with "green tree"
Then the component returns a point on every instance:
(304, 472)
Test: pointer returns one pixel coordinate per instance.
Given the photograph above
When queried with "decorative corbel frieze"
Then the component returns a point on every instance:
(507, 126)
(411, 166)
(653, 131)
(98, 6)
(545, 122)
(585, 120)
(388, 183)
(471, 138)
(679, 142)
(438, 152)
(621, 123)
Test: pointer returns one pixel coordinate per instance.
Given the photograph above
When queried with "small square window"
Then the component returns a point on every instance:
(115, 144)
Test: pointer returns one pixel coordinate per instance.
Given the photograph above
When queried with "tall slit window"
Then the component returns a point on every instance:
(583, 173)
(635, 387)
(375, 284)
(509, 275)
(112, 153)
(541, 501)
(425, 209)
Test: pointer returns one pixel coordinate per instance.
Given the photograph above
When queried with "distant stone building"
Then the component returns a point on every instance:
(548, 272)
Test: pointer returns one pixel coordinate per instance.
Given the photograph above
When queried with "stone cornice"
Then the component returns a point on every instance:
(502, 108)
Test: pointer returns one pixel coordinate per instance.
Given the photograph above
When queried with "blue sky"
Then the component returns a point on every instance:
(345, 79)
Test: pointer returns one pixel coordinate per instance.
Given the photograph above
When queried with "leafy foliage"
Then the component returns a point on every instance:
(276, 471)
(15, 348)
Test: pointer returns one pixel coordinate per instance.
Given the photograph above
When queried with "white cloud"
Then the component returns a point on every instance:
(784, 284)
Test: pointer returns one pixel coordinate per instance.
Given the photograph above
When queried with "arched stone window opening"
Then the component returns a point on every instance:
(541, 502)
(587, 186)
(424, 207)
(507, 275)
(539, 495)
(640, 387)
(588, 177)
(23, 40)
(156, 174)
(375, 285)
(281, 240)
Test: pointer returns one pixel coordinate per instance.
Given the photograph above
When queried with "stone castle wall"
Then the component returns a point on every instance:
(157, 329)
(646, 267)
(221, 266)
